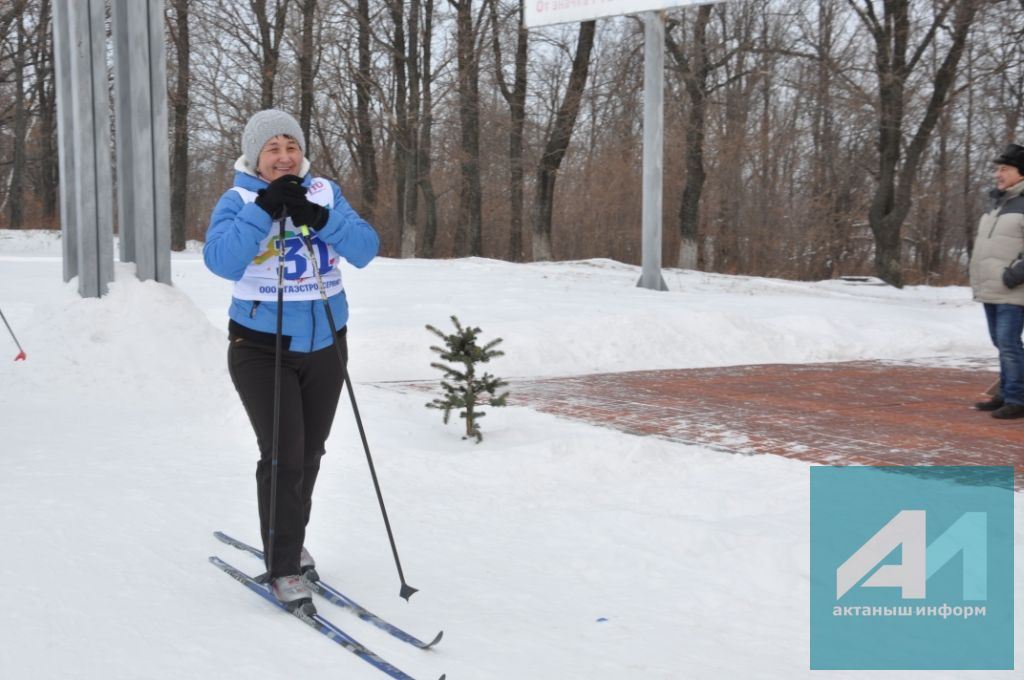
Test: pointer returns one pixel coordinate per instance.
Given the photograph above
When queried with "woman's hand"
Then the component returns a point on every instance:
(307, 213)
(283, 191)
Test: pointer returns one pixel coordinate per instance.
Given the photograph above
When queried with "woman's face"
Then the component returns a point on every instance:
(280, 156)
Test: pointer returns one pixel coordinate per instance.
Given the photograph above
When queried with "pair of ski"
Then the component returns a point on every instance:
(318, 622)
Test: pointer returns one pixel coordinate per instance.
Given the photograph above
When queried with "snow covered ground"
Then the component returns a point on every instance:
(553, 550)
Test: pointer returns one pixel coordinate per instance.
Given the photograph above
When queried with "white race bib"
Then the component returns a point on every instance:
(259, 282)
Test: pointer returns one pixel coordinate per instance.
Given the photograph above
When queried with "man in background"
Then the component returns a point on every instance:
(997, 272)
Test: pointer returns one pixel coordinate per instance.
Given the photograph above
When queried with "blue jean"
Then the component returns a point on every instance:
(1005, 325)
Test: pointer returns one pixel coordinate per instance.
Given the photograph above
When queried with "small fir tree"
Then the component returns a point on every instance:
(462, 388)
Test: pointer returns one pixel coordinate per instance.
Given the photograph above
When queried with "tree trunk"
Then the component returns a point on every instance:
(826, 185)
(423, 161)
(307, 58)
(366, 155)
(738, 105)
(410, 201)
(468, 234)
(897, 171)
(180, 106)
(15, 203)
(967, 191)
(932, 251)
(401, 133)
(270, 46)
(558, 142)
(515, 97)
(695, 78)
(49, 167)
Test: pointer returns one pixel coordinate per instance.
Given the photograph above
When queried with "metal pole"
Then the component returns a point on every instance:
(275, 444)
(21, 352)
(405, 591)
(141, 103)
(65, 133)
(124, 54)
(654, 149)
(161, 168)
(91, 139)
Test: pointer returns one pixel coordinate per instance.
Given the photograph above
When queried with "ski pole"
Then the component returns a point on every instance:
(406, 590)
(276, 437)
(21, 353)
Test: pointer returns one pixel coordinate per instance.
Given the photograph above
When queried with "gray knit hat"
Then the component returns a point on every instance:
(263, 126)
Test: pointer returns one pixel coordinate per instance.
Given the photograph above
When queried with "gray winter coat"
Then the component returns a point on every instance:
(1000, 239)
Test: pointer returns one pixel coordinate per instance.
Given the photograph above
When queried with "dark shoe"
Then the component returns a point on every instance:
(990, 405)
(1008, 411)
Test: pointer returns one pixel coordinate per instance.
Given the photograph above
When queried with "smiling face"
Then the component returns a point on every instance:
(280, 156)
(1006, 176)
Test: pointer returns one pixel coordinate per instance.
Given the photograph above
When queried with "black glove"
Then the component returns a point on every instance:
(282, 191)
(308, 214)
(1013, 275)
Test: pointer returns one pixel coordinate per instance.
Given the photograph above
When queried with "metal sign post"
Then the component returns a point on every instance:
(86, 182)
(65, 145)
(654, 151)
(140, 94)
(545, 12)
(90, 136)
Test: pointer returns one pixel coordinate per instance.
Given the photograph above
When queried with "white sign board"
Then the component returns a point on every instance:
(545, 12)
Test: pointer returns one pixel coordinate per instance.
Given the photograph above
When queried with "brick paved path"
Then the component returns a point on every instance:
(861, 413)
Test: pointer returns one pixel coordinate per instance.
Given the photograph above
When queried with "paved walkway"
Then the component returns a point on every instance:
(858, 413)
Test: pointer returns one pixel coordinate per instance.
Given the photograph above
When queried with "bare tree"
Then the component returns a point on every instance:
(271, 30)
(403, 145)
(695, 70)
(178, 26)
(743, 74)
(469, 231)
(558, 142)
(365, 153)
(896, 61)
(515, 97)
(307, 60)
(16, 181)
(46, 101)
(829, 190)
(425, 246)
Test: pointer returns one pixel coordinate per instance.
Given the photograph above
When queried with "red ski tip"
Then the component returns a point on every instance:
(21, 357)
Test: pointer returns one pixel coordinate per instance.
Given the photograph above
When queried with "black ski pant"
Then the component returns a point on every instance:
(310, 386)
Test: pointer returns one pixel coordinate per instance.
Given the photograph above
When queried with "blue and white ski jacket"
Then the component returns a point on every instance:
(241, 245)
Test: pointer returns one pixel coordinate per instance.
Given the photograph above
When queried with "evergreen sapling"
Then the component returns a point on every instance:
(462, 388)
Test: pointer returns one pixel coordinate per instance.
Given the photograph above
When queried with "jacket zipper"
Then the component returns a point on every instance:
(998, 210)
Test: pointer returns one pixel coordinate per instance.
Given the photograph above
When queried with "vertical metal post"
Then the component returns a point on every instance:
(123, 112)
(161, 169)
(143, 172)
(65, 146)
(91, 140)
(654, 149)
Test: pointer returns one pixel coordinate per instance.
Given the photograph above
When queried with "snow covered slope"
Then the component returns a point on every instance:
(553, 550)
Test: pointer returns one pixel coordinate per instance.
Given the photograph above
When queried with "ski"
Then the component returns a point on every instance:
(337, 597)
(315, 621)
